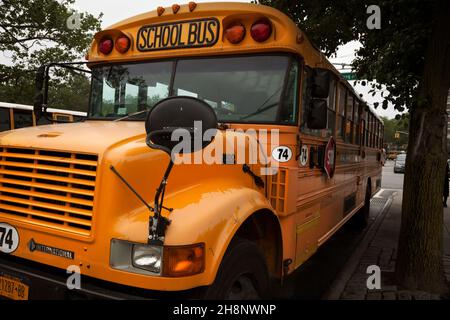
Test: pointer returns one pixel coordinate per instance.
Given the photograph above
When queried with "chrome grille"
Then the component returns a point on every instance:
(48, 188)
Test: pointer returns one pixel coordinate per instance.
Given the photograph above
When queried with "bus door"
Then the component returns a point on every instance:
(310, 147)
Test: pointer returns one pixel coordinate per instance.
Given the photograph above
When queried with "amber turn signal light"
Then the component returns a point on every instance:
(235, 33)
(182, 261)
(123, 44)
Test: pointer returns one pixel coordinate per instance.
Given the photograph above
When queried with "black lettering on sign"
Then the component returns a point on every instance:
(210, 38)
(192, 36)
(177, 35)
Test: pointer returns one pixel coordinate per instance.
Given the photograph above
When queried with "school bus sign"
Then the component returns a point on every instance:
(177, 35)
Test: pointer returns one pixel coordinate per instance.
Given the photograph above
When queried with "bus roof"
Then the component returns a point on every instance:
(52, 110)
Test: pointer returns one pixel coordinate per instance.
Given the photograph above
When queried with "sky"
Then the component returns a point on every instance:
(117, 10)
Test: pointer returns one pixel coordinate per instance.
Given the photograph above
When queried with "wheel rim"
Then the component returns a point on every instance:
(243, 289)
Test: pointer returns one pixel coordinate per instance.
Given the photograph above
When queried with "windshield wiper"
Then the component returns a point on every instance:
(131, 115)
(263, 106)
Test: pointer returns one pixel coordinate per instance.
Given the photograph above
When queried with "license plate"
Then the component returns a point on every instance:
(178, 35)
(13, 288)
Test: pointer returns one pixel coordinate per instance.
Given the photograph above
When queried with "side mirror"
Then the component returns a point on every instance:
(168, 115)
(318, 115)
(39, 95)
(320, 83)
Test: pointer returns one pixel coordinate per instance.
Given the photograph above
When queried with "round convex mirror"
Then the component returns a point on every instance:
(188, 113)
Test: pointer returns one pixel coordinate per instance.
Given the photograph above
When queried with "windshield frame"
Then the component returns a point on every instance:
(293, 58)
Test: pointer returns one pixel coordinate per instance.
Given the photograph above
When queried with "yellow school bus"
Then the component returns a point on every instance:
(80, 196)
(16, 116)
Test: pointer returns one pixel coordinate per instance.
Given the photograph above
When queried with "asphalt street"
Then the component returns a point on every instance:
(391, 180)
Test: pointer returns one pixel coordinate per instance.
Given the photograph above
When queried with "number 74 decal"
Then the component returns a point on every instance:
(282, 154)
(9, 238)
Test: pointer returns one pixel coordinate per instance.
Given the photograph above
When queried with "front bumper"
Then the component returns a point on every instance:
(399, 169)
(49, 283)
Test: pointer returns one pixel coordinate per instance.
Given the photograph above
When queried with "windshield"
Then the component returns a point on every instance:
(401, 158)
(258, 89)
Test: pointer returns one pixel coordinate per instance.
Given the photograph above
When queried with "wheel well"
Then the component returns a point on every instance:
(263, 228)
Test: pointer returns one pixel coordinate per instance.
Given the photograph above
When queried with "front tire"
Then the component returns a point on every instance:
(242, 274)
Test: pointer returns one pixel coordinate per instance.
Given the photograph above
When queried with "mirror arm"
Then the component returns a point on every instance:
(111, 167)
(149, 142)
(158, 223)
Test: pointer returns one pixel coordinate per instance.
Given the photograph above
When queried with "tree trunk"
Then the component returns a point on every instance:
(419, 264)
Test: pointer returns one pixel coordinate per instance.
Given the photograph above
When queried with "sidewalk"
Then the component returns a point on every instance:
(379, 247)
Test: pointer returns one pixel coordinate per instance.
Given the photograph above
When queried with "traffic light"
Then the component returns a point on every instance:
(397, 135)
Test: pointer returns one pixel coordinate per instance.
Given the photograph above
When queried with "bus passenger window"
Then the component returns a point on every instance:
(381, 135)
(375, 143)
(331, 103)
(370, 130)
(378, 135)
(349, 117)
(22, 119)
(5, 123)
(366, 132)
(372, 121)
(363, 130)
(341, 112)
(357, 111)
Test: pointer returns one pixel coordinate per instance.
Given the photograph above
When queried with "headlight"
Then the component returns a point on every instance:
(148, 258)
(167, 261)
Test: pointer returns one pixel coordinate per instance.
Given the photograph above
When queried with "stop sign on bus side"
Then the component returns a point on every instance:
(330, 157)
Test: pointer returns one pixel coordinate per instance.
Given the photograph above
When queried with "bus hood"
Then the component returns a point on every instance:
(89, 137)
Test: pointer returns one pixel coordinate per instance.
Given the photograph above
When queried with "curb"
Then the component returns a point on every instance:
(338, 285)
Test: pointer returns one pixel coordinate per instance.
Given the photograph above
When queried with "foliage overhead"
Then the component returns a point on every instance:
(393, 55)
(391, 126)
(35, 32)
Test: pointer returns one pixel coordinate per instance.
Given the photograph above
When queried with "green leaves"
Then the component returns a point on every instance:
(36, 32)
(391, 126)
(393, 55)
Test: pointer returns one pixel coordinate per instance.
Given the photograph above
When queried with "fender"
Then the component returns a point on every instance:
(214, 218)
(211, 212)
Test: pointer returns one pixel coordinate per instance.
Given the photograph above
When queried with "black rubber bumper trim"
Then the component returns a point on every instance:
(49, 283)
